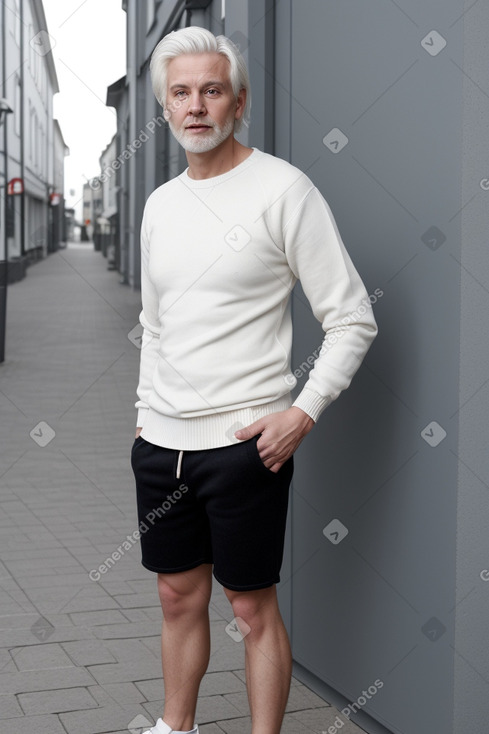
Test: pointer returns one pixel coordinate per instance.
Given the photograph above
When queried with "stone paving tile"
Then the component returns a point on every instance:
(139, 669)
(13, 607)
(101, 720)
(242, 676)
(226, 658)
(214, 708)
(48, 724)
(153, 613)
(84, 603)
(34, 554)
(40, 657)
(88, 652)
(152, 689)
(130, 650)
(99, 617)
(9, 707)
(124, 693)
(17, 567)
(138, 615)
(240, 725)
(209, 709)
(298, 693)
(320, 719)
(292, 725)
(53, 633)
(63, 595)
(239, 701)
(131, 601)
(44, 680)
(301, 697)
(153, 644)
(50, 702)
(52, 579)
(115, 587)
(154, 709)
(21, 621)
(222, 683)
(101, 695)
(7, 664)
(129, 629)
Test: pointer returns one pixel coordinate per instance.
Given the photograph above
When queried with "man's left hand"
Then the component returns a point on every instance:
(282, 433)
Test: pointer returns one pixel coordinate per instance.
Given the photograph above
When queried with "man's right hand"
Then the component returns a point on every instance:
(138, 430)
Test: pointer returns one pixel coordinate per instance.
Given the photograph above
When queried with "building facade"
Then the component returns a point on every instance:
(384, 586)
(56, 210)
(107, 223)
(33, 144)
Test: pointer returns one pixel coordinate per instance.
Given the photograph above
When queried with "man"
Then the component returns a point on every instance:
(222, 246)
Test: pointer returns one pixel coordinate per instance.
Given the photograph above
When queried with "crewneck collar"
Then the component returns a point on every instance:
(202, 183)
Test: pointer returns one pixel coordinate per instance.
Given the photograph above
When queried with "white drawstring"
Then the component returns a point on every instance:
(179, 465)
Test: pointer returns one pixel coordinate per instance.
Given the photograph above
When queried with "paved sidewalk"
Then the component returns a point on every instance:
(79, 655)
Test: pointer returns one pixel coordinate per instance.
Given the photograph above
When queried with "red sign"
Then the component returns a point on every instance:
(15, 186)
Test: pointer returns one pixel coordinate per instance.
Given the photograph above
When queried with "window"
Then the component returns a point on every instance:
(43, 154)
(150, 14)
(17, 22)
(36, 143)
(31, 126)
(37, 64)
(18, 102)
(31, 50)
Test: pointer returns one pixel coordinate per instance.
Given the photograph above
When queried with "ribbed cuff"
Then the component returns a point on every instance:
(312, 403)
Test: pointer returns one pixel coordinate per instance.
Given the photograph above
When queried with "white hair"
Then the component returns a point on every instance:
(196, 40)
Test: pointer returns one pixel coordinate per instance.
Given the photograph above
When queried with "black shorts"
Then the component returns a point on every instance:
(220, 506)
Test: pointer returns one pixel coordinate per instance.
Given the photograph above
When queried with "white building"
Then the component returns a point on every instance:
(34, 150)
(57, 232)
(107, 223)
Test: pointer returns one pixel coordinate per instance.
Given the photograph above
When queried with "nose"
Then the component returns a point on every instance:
(196, 104)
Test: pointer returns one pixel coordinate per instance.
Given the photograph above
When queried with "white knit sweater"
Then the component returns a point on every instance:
(219, 259)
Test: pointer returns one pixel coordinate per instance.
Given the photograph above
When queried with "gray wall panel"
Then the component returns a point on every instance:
(359, 607)
(472, 610)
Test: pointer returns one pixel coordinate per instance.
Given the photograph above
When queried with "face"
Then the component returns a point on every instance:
(200, 104)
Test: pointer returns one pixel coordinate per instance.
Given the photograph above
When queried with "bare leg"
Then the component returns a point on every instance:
(185, 641)
(268, 658)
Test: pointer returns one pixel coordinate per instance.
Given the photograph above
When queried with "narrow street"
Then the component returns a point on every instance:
(79, 649)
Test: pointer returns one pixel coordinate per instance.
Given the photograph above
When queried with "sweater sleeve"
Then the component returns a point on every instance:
(338, 298)
(151, 328)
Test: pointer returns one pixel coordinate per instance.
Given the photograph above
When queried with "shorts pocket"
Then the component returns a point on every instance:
(258, 458)
(137, 442)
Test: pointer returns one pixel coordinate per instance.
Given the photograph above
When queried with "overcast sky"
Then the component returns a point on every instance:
(89, 55)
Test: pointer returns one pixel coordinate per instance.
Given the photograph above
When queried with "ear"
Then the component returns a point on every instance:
(240, 104)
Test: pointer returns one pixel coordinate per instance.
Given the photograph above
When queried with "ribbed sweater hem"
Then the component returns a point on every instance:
(205, 431)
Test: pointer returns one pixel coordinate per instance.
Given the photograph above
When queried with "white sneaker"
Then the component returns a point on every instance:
(161, 728)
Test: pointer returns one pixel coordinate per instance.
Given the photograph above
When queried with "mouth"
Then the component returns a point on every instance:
(198, 127)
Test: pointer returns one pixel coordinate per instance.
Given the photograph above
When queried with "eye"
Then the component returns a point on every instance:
(213, 92)
(180, 93)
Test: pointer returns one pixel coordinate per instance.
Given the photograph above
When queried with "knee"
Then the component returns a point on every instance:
(179, 600)
(255, 608)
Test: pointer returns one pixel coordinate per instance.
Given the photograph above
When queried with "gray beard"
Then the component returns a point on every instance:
(194, 144)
